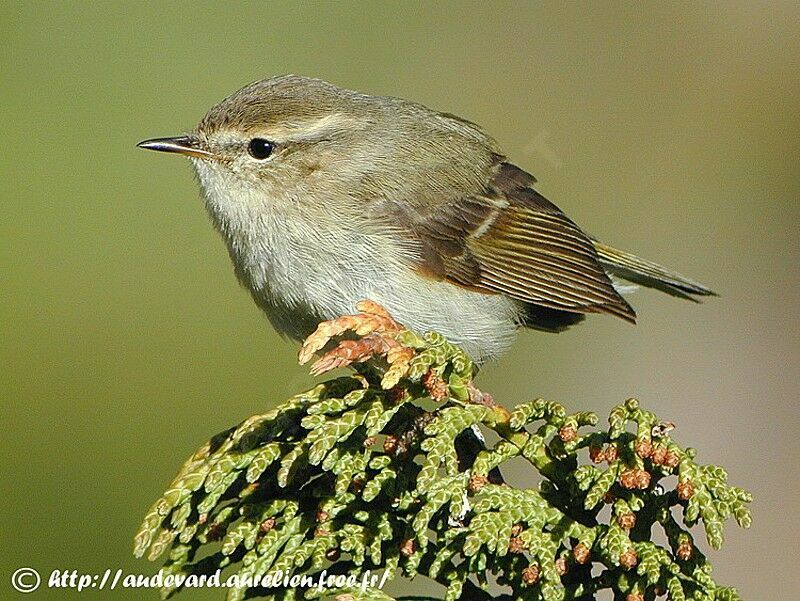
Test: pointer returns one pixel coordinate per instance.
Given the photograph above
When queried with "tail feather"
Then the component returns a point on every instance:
(646, 273)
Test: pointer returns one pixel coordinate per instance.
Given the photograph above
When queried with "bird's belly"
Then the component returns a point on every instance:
(307, 286)
(303, 266)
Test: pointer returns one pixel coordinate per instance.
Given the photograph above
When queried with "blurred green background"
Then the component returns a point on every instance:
(671, 130)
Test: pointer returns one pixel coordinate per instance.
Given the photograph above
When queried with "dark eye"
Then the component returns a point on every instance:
(260, 149)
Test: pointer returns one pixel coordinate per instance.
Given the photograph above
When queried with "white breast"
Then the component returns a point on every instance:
(302, 267)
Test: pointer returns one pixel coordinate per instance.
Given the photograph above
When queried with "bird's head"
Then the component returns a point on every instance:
(292, 140)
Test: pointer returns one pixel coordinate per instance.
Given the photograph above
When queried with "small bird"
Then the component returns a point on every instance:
(326, 196)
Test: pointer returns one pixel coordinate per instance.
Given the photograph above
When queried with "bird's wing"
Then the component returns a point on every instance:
(508, 239)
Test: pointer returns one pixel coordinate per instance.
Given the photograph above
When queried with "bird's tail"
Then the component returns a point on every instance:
(646, 273)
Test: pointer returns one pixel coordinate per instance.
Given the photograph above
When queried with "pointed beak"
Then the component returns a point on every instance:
(185, 145)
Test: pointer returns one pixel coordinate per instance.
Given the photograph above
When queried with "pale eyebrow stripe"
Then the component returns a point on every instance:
(315, 128)
(305, 130)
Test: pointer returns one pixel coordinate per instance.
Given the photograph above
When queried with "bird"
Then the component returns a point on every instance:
(325, 196)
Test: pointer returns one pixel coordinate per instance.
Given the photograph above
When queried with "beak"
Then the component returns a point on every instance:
(186, 145)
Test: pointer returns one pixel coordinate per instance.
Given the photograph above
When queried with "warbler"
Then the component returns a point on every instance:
(326, 196)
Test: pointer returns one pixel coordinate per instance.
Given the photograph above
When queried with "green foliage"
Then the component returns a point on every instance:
(355, 475)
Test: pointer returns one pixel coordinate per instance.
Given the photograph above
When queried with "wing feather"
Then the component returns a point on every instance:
(509, 239)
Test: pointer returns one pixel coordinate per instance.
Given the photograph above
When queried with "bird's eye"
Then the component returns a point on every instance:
(260, 149)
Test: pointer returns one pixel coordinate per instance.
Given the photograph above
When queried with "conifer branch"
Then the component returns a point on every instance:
(356, 474)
